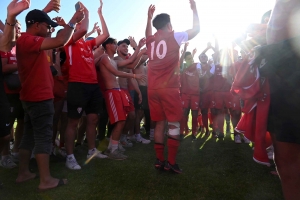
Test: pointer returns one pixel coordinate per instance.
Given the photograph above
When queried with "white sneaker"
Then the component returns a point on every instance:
(125, 143)
(246, 140)
(132, 138)
(71, 163)
(8, 163)
(96, 154)
(121, 148)
(142, 140)
(237, 139)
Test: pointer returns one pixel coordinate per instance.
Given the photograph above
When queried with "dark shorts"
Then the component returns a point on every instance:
(38, 123)
(282, 68)
(16, 108)
(83, 97)
(144, 105)
(4, 115)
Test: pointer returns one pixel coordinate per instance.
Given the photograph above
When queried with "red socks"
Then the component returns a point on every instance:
(173, 145)
(159, 150)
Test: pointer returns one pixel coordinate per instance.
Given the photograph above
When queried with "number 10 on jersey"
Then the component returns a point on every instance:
(157, 50)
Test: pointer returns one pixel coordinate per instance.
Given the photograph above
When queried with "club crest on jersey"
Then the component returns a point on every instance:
(79, 109)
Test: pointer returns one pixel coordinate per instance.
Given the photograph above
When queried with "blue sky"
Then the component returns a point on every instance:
(224, 18)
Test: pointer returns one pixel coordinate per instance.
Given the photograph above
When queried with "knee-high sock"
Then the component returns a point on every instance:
(194, 125)
(173, 145)
(159, 150)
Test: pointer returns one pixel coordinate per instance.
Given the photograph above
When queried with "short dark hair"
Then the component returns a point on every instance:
(161, 20)
(109, 41)
(187, 54)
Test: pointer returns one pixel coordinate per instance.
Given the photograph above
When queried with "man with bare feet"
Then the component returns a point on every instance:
(37, 92)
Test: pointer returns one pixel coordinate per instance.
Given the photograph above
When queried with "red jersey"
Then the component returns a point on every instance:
(80, 60)
(206, 82)
(34, 69)
(11, 59)
(220, 83)
(190, 80)
(163, 51)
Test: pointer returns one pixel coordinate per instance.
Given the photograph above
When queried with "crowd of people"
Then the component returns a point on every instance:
(58, 90)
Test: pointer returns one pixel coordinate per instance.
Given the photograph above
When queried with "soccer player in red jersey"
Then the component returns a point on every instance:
(164, 82)
(190, 92)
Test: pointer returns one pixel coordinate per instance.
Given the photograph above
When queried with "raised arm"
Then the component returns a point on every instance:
(196, 23)
(95, 28)
(65, 35)
(7, 39)
(84, 25)
(149, 20)
(105, 34)
(182, 55)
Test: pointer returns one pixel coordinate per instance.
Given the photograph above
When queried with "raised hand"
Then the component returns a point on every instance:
(209, 45)
(194, 51)
(186, 45)
(151, 11)
(15, 7)
(133, 43)
(96, 27)
(78, 16)
(142, 42)
(52, 5)
(100, 8)
(60, 21)
(193, 4)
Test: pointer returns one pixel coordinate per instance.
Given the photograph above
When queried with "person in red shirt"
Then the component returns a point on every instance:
(83, 90)
(190, 92)
(7, 39)
(164, 82)
(12, 89)
(37, 92)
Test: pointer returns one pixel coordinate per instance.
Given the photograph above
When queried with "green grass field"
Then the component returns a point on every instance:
(212, 169)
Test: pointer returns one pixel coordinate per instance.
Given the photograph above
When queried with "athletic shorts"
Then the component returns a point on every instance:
(117, 105)
(281, 66)
(190, 101)
(16, 108)
(234, 101)
(83, 97)
(144, 105)
(131, 105)
(165, 104)
(206, 100)
(4, 116)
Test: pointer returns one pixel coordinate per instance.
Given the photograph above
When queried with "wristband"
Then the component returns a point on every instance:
(134, 48)
(10, 24)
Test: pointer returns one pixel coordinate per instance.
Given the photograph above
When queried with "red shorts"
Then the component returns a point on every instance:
(235, 102)
(131, 104)
(117, 105)
(190, 101)
(165, 104)
(206, 100)
(218, 100)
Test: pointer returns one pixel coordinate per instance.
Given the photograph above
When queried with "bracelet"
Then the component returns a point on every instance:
(10, 24)
(134, 48)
